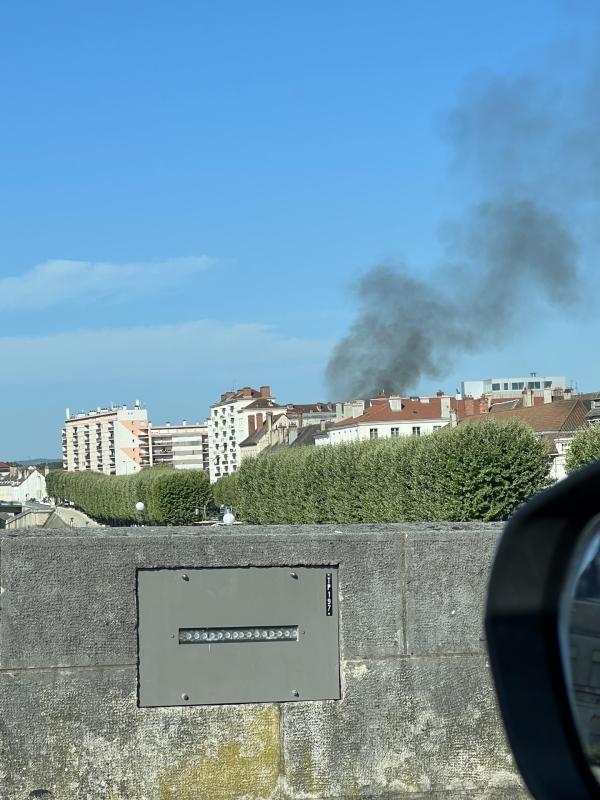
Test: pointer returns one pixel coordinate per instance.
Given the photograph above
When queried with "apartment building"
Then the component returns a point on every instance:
(120, 441)
(232, 419)
(111, 440)
(183, 446)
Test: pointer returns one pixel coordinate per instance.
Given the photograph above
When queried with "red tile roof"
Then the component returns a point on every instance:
(559, 417)
(380, 411)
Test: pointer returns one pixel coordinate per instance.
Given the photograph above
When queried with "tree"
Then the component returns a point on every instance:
(584, 449)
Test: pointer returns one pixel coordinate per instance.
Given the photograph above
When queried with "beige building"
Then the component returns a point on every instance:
(121, 440)
(110, 440)
(184, 446)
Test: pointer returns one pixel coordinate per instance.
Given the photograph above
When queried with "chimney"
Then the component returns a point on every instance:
(259, 420)
(547, 395)
(395, 403)
(247, 391)
(568, 393)
(444, 406)
(453, 418)
(469, 405)
(527, 398)
(269, 420)
(223, 396)
(265, 391)
(339, 412)
(251, 424)
(439, 393)
(184, 422)
(358, 408)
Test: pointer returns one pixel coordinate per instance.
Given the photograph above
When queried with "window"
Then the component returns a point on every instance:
(395, 431)
(547, 384)
(495, 387)
(416, 431)
(505, 387)
(373, 433)
(533, 385)
(215, 412)
(437, 427)
(517, 385)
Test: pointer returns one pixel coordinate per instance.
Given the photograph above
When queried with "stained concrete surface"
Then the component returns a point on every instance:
(417, 718)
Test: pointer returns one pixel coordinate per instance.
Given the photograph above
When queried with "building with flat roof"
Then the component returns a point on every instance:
(120, 441)
(511, 387)
(182, 446)
(110, 440)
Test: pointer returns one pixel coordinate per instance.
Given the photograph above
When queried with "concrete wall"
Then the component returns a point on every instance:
(417, 718)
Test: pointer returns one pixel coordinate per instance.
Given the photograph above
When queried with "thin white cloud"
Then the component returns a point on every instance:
(59, 281)
(159, 353)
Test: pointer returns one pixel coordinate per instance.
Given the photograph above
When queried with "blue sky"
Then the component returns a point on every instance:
(188, 191)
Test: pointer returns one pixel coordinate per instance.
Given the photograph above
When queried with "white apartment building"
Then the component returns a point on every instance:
(386, 417)
(111, 440)
(184, 446)
(235, 417)
(510, 387)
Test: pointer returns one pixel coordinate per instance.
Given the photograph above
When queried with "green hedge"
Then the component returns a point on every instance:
(225, 491)
(474, 472)
(171, 496)
(584, 449)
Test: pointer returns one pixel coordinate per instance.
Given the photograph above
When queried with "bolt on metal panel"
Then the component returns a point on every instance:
(280, 624)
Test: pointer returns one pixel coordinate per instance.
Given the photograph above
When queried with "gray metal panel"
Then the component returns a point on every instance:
(248, 672)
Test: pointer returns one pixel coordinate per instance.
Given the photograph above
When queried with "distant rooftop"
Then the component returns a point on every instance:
(99, 411)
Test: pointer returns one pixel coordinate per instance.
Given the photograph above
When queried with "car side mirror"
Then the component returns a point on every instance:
(543, 632)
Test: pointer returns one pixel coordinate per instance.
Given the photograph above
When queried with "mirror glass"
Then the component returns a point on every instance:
(584, 650)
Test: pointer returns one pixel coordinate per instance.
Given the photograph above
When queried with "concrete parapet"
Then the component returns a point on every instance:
(417, 718)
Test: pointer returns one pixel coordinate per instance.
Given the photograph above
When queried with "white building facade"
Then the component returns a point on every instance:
(182, 446)
(28, 484)
(232, 419)
(510, 387)
(387, 417)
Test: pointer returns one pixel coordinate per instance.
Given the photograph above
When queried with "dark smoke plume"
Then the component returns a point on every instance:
(534, 153)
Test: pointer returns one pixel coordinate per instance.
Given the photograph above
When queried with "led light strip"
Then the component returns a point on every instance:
(287, 633)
